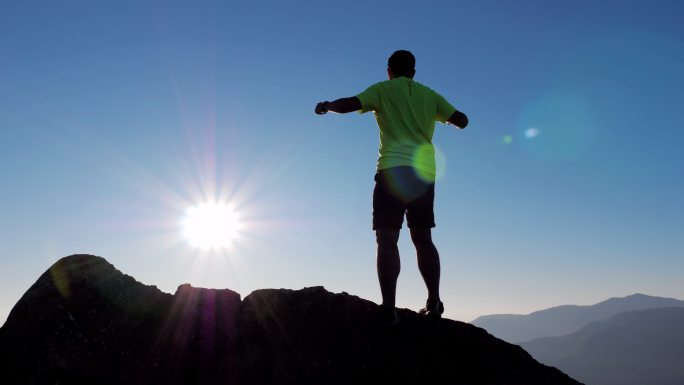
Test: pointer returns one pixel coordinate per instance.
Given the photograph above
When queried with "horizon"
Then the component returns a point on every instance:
(243, 295)
(118, 119)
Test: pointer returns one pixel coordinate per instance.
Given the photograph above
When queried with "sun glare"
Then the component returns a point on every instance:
(211, 225)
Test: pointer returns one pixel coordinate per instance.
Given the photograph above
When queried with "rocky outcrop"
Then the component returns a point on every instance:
(83, 321)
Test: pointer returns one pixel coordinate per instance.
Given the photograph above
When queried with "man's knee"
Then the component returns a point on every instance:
(422, 237)
(387, 237)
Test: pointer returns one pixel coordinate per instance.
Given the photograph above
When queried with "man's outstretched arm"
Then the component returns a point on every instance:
(341, 106)
(458, 119)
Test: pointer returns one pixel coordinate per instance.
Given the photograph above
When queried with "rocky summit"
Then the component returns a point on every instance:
(84, 322)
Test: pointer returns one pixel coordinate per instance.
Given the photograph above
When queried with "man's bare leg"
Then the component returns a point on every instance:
(428, 261)
(388, 263)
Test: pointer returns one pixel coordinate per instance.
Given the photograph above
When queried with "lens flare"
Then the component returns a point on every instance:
(428, 156)
(558, 126)
(531, 132)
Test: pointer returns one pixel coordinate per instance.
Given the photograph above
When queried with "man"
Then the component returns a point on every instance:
(405, 111)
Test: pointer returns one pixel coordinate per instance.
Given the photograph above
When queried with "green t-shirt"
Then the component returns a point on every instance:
(406, 111)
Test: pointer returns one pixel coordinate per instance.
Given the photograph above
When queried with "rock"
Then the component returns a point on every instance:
(83, 321)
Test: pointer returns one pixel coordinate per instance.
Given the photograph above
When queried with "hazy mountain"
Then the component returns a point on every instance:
(84, 322)
(635, 348)
(562, 320)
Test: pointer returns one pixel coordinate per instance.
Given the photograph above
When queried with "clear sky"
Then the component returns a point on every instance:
(566, 187)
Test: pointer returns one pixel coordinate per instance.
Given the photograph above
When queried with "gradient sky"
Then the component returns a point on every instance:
(566, 187)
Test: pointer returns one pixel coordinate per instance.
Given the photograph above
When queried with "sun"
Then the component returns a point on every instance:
(211, 225)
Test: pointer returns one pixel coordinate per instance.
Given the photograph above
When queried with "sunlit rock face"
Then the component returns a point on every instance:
(84, 322)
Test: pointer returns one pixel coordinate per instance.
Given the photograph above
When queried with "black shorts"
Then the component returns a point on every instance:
(399, 191)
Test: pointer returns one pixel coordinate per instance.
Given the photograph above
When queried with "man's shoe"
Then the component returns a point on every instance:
(386, 316)
(433, 309)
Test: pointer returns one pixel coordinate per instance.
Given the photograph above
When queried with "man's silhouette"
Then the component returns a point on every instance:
(405, 111)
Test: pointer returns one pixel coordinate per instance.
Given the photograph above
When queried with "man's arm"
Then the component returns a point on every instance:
(341, 106)
(458, 119)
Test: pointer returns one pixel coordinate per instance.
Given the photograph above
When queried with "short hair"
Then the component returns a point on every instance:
(402, 63)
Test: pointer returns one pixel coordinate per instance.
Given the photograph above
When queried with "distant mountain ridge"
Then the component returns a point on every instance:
(84, 322)
(631, 348)
(566, 319)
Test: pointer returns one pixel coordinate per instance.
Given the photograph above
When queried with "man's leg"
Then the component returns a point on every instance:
(388, 264)
(428, 261)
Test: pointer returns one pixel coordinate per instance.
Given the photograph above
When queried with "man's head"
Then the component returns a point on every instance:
(401, 63)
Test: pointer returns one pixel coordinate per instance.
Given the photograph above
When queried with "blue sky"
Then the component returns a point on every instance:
(565, 188)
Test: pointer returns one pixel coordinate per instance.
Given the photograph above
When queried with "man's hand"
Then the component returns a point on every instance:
(458, 119)
(321, 108)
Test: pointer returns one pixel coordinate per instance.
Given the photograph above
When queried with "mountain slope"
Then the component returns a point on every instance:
(84, 322)
(633, 348)
(562, 320)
